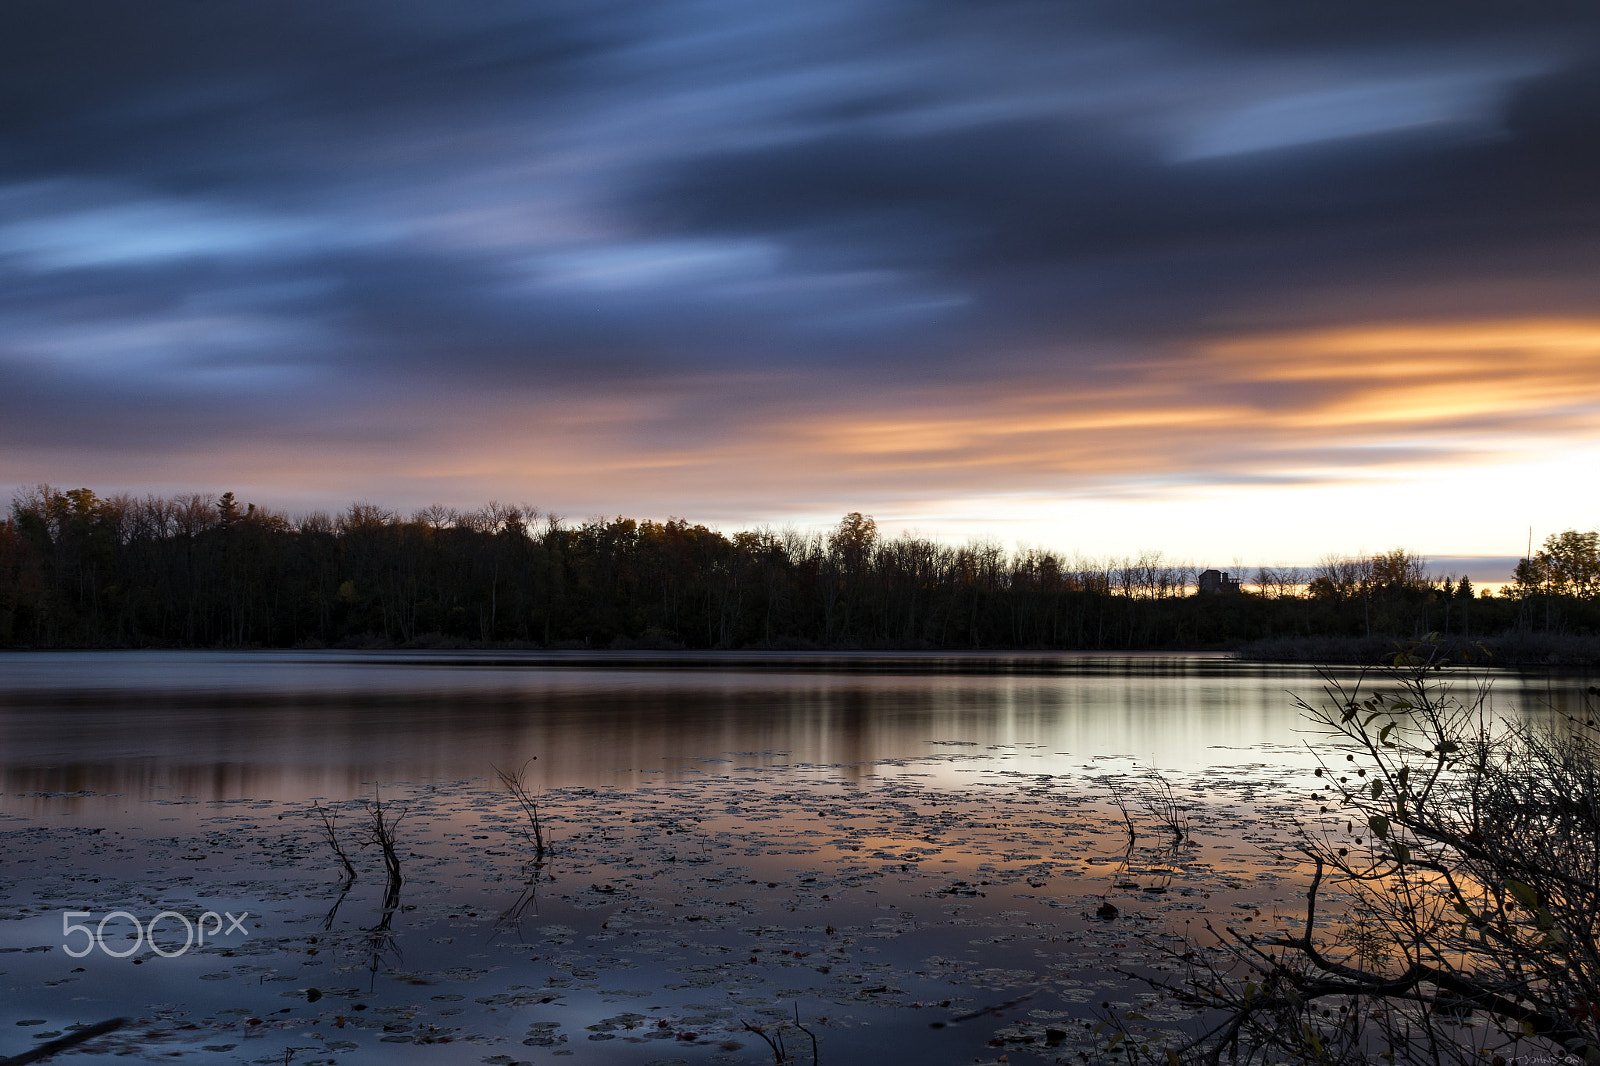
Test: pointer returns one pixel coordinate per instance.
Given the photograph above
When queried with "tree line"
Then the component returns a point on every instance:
(81, 570)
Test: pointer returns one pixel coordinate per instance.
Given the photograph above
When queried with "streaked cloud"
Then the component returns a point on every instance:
(1467, 101)
(746, 262)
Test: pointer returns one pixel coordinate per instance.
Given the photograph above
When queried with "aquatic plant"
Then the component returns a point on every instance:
(329, 820)
(1119, 799)
(1156, 797)
(381, 826)
(774, 1040)
(515, 784)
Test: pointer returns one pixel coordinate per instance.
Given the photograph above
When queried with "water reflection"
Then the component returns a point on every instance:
(296, 725)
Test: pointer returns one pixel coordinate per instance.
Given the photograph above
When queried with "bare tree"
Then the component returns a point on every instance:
(1467, 850)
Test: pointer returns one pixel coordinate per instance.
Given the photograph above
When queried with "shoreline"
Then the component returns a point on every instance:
(1510, 650)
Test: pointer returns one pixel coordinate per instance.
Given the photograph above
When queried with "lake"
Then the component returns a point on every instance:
(874, 852)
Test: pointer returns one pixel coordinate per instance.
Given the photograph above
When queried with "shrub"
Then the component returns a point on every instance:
(1467, 850)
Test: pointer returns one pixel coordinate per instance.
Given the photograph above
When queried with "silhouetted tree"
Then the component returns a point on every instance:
(77, 569)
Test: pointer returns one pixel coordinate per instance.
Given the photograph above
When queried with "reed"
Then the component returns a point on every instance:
(515, 782)
(329, 821)
(380, 832)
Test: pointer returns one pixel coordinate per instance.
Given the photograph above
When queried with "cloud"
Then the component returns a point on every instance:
(744, 254)
(1313, 407)
(1465, 102)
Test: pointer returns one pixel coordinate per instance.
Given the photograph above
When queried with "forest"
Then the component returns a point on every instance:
(81, 570)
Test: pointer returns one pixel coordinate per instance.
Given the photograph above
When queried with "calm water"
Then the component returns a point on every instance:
(882, 843)
(288, 725)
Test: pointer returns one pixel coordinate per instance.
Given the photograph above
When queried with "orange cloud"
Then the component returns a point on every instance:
(1306, 401)
(1422, 374)
(1315, 406)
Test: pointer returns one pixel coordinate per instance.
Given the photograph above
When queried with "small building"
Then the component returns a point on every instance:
(1217, 583)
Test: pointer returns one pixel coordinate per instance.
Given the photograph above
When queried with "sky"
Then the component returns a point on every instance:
(1237, 280)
